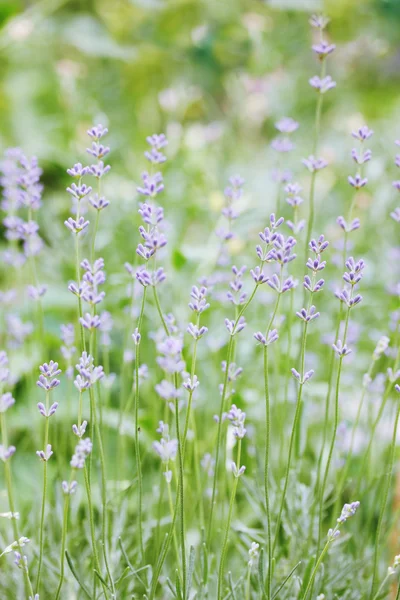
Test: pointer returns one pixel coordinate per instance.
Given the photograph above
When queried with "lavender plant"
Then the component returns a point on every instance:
(159, 480)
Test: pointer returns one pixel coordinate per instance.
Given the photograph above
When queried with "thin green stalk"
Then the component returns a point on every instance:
(317, 565)
(221, 410)
(137, 447)
(228, 525)
(11, 503)
(44, 493)
(267, 449)
(64, 537)
(317, 125)
(92, 529)
(266, 471)
(292, 440)
(335, 426)
(384, 500)
(378, 593)
(180, 492)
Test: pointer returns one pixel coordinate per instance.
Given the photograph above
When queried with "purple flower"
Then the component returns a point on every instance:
(345, 297)
(237, 418)
(266, 341)
(47, 378)
(47, 413)
(355, 224)
(36, 292)
(152, 184)
(318, 21)
(341, 349)
(348, 510)
(97, 132)
(145, 278)
(233, 372)
(363, 133)
(237, 472)
(313, 287)
(99, 170)
(322, 85)
(82, 451)
(308, 315)
(98, 150)
(79, 191)
(79, 430)
(191, 384)
(258, 276)
(167, 390)
(323, 49)
(361, 157)
(396, 185)
(68, 488)
(396, 214)
(316, 264)
(99, 203)
(355, 273)
(196, 332)
(234, 327)
(90, 322)
(78, 171)
(276, 285)
(6, 453)
(44, 455)
(282, 145)
(151, 215)
(166, 449)
(157, 140)
(286, 125)
(302, 380)
(318, 246)
(199, 302)
(357, 181)
(6, 401)
(76, 226)
(314, 164)
(136, 337)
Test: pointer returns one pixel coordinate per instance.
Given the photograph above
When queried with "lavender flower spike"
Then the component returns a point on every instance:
(50, 412)
(233, 330)
(6, 453)
(266, 341)
(340, 349)
(322, 85)
(6, 401)
(76, 226)
(348, 510)
(44, 455)
(302, 380)
(308, 315)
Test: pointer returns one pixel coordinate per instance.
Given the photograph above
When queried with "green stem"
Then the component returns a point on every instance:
(43, 509)
(266, 470)
(64, 537)
(221, 410)
(292, 439)
(228, 525)
(384, 500)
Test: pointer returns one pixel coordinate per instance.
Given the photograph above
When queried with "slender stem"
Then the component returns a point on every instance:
(317, 126)
(137, 446)
(333, 440)
(381, 587)
(228, 525)
(315, 570)
(384, 500)
(11, 503)
(221, 410)
(64, 536)
(43, 509)
(292, 440)
(266, 470)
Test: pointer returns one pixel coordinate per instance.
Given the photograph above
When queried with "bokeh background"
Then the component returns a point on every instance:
(214, 75)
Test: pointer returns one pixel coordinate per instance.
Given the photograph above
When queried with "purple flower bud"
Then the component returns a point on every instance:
(136, 337)
(357, 181)
(199, 303)
(235, 328)
(97, 132)
(79, 191)
(361, 157)
(44, 455)
(90, 322)
(258, 276)
(396, 214)
(195, 331)
(286, 125)
(272, 337)
(309, 315)
(318, 21)
(44, 412)
(364, 133)
(78, 171)
(79, 431)
(314, 164)
(6, 401)
(191, 384)
(322, 85)
(323, 49)
(341, 349)
(76, 226)
(99, 170)
(98, 150)
(6, 453)
(99, 203)
(69, 488)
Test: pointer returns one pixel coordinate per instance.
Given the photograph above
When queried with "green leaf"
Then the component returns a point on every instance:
(75, 574)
